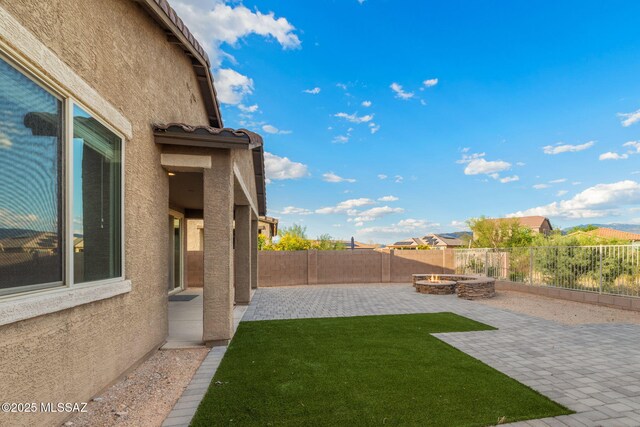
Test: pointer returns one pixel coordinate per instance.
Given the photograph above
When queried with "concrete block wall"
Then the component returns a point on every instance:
(279, 268)
(289, 268)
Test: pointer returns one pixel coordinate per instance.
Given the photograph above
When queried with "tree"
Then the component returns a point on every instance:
(583, 228)
(499, 233)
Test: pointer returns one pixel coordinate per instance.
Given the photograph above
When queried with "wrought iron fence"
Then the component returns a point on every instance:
(607, 269)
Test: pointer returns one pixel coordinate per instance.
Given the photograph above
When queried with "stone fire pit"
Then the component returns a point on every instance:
(466, 286)
(440, 287)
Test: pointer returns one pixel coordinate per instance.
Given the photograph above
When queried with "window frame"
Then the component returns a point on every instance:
(66, 190)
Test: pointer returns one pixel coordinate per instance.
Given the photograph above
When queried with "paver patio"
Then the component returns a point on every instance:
(592, 369)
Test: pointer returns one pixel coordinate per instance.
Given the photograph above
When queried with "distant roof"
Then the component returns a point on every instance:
(268, 219)
(527, 221)
(610, 233)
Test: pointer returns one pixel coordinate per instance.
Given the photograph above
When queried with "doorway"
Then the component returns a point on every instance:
(176, 252)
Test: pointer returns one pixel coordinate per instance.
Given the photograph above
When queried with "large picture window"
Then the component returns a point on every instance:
(60, 191)
(31, 219)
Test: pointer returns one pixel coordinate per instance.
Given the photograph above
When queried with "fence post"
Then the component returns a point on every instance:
(600, 284)
(486, 263)
(531, 266)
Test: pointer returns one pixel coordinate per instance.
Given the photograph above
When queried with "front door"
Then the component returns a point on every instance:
(176, 252)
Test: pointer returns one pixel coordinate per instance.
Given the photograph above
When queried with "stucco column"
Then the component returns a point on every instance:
(242, 255)
(254, 254)
(218, 290)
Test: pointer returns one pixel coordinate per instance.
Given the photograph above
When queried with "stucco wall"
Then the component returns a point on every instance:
(280, 268)
(118, 49)
(287, 268)
(349, 266)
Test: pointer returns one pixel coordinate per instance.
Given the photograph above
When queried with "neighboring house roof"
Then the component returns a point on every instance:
(358, 245)
(528, 221)
(179, 34)
(411, 241)
(442, 240)
(610, 233)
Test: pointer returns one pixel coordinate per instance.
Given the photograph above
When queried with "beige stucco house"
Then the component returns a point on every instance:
(111, 140)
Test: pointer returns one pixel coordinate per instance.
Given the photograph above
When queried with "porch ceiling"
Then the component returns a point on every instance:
(181, 134)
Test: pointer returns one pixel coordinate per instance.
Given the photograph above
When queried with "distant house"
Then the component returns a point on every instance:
(442, 241)
(410, 243)
(268, 226)
(436, 241)
(358, 245)
(537, 224)
(610, 233)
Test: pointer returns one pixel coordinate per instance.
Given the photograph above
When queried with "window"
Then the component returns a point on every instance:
(55, 211)
(96, 199)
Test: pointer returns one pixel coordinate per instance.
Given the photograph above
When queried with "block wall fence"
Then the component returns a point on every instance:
(313, 267)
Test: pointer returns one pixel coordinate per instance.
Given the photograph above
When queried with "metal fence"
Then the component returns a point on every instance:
(606, 269)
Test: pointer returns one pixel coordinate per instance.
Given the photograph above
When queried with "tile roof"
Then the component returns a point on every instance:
(252, 137)
(610, 233)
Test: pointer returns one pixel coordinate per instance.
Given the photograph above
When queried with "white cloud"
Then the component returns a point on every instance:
(347, 206)
(374, 127)
(231, 86)
(398, 179)
(354, 118)
(561, 193)
(401, 229)
(314, 91)
(279, 168)
(213, 23)
(430, 82)
(341, 86)
(292, 210)
(481, 166)
(558, 181)
(634, 146)
(610, 155)
(5, 142)
(332, 177)
(341, 139)
(597, 201)
(507, 179)
(382, 176)
(566, 148)
(249, 109)
(460, 225)
(366, 104)
(388, 199)
(541, 186)
(629, 118)
(466, 158)
(375, 213)
(274, 130)
(520, 163)
(400, 93)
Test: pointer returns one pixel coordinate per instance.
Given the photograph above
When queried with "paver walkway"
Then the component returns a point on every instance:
(592, 369)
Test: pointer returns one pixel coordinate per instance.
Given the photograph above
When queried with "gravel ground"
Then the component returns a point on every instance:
(145, 397)
(567, 312)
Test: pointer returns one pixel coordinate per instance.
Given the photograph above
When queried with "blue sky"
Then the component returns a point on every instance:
(386, 119)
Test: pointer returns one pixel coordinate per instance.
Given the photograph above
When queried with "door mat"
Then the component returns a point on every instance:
(182, 297)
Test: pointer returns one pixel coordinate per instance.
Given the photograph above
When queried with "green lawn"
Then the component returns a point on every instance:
(360, 371)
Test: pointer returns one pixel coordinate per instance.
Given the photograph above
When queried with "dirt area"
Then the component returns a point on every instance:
(567, 312)
(145, 397)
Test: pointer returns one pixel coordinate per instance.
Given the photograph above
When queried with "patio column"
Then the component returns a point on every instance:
(242, 255)
(254, 254)
(218, 289)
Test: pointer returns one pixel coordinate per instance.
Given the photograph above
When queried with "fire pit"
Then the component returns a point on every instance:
(434, 286)
(466, 286)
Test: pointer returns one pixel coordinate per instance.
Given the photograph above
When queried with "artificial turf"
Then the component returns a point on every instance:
(362, 371)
